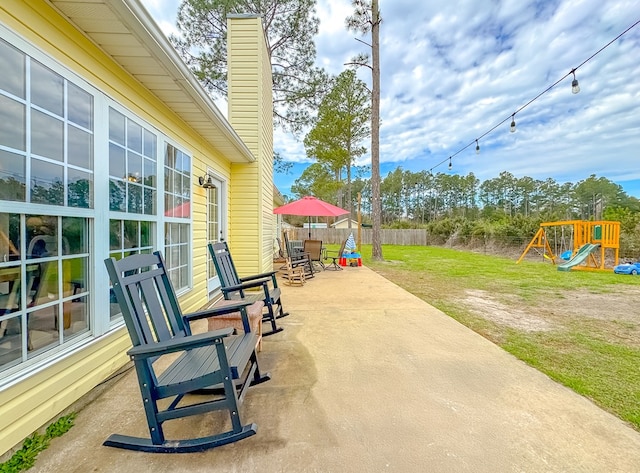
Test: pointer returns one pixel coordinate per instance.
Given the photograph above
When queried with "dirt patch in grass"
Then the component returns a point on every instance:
(612, 314)
(482, 304)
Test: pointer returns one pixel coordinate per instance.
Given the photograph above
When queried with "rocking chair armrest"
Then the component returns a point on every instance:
(213, 311)
(268, 274)
(247, 285)
(179, 344)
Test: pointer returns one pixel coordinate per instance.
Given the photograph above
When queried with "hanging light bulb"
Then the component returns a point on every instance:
(477, 147)
(450, 166)
(575, 88)
(512, 129)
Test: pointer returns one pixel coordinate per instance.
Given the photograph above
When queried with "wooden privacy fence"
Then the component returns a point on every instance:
(338, 235)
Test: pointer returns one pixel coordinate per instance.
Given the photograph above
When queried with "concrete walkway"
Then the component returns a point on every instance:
(368, 378)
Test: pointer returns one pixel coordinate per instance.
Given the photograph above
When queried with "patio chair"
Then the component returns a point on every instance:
(235, 287)
(334, 266)
(217, 363)
(298, 257)
(293, 276)
(314, 249)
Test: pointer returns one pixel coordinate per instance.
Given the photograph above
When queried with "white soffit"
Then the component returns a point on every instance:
(124, 30)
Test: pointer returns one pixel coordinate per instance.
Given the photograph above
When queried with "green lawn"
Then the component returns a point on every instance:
(581, 328)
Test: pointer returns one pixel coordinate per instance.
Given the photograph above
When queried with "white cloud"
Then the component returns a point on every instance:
(453, 70)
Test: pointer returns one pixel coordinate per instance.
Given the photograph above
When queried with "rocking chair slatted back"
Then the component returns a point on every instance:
(224, 266)
(151, 314)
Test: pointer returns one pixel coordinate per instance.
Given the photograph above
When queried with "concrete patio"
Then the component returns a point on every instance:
(368, 378)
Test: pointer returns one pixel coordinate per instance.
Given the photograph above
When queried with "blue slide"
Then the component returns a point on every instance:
(582, 254)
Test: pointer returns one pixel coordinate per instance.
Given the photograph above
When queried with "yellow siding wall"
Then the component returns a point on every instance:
(251, 115)
(55, 388)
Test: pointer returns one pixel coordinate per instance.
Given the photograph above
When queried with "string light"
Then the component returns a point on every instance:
(575, 88)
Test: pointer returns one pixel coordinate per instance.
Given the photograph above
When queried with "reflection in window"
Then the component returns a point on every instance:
(132, 167)
(47, 136)
(52, 277)
(80, 105)
(13, 133)
(79, 190)
(12, 60)
(47, 185)
(128, 237)
(80, 148)
(58, 167)
(47, 89)
(12, 176)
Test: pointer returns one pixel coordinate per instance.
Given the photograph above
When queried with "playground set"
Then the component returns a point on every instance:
(590, 241)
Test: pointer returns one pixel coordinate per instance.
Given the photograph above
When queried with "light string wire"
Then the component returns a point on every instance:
(572, 71)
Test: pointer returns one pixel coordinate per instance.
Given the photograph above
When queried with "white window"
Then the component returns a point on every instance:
(46, 161)
(132, 166)
(177, 211)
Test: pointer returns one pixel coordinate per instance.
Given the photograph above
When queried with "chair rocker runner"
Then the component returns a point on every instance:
(217, 363)
(235, 287)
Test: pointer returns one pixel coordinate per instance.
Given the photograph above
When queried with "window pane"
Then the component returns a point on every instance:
(9, 237)
(11, 342)
(75, 231)
(150, 144)
(42, 235)
(80, 148)
(116, 195)
(42, 330)
(12, 60)
(46, 183)
(134, 167)
(115, 235)
(149, 201)
(146, 237)
(80, 189)
(47, 135)
(134, 136)
(76, 317)
(116, 127)
(47, 88)
(80, 107)
(131, 228)
(134, 198)
(45, 284)
(168, 180)
(12, 176)
(149, 173)
(75, 276)
(12, 124)
(117, 166)
(170, 157)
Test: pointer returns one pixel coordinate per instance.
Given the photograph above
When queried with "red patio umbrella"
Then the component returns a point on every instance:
(310, 207)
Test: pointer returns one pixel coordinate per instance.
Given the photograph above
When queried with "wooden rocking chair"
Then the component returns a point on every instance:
(235, 287)
(293, 275)
(216, 363)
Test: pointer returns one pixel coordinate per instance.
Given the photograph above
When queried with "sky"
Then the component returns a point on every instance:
(454, 71)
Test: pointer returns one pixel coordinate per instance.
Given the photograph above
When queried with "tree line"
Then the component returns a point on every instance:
(504, 208)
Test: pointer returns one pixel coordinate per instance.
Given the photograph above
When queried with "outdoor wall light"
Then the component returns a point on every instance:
(512, 129)
(206, 181)
(575, 88)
